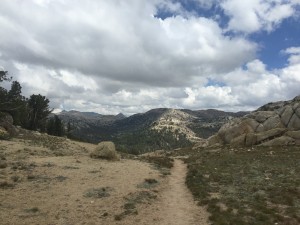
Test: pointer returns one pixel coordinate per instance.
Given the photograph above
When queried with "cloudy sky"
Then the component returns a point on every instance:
(133, 55)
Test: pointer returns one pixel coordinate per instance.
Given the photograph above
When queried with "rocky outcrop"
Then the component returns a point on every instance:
(176, 122)
(272, 124)
(6, 125)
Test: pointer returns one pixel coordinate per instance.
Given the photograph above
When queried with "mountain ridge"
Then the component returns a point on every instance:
(160, 128)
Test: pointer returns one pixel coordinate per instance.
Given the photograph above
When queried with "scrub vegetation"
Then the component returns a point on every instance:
(258, 185)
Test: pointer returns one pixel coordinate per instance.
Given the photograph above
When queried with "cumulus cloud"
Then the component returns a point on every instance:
(210, 97)
(255, 15)
(294, 53)
(121, 56)
(118, 40)
(248, 87)
(254, 85)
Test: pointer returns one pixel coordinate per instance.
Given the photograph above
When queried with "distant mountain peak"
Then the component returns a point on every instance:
(160, 128)
(120, 116)
(176, 122)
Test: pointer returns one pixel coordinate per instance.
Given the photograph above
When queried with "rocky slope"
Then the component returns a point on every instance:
(272, 124)
(177, 122)
(156, 129)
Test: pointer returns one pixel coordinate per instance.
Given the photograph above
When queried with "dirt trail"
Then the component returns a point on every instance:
(38, 187)
(178, 206)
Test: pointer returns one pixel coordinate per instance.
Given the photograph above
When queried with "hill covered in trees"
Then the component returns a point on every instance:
(161, 128)
(29, 113)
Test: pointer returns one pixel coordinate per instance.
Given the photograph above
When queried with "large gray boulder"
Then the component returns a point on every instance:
(238, 141)
(215, 141)
(293, 134)
(294, 123)
(262, 116)
(4, 135)
(272, 124)
(297, 111)
(269, 134)
(282, 141)
(236, 128)
(287, 115)
(6, 122)
(105, 150)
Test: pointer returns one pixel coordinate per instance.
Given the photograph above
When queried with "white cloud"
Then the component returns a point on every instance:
(76, 80)
(292, 50)
(243, 89)
(294, 55)
(294, 59)
(118, 40)
(255, 15)
(116, 56)
(255, 85)
(210, 97)
(250, 86)
(256, 66)
(191, 98)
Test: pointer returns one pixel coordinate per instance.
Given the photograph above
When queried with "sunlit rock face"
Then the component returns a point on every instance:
(272, 124)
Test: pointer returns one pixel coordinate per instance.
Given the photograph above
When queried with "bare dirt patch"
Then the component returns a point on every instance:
(41, 186)
(177, 204)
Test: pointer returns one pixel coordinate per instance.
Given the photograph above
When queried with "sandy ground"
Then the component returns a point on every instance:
(177, 204)
(39, 188)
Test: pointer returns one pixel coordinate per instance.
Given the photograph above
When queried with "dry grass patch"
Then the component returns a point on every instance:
(162, 163)
(148, 184)
(98, 192)
(132, 200)
(254, 185)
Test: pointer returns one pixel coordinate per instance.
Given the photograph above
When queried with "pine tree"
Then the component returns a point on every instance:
(55, 126)
(4, 76)
(59, 126)
(38, 112)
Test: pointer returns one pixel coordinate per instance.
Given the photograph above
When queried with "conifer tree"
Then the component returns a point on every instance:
(55, 126)
(38, 112)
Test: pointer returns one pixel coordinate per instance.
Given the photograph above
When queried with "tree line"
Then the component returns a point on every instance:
(30, 113)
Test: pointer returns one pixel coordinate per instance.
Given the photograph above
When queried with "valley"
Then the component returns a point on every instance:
(153, 130)
(160, 112)
(245, 173)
